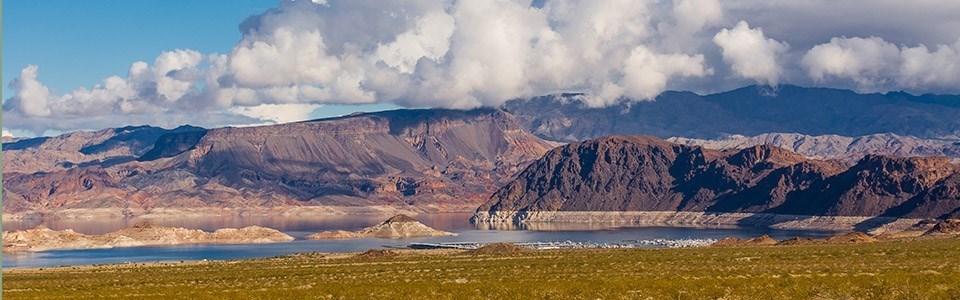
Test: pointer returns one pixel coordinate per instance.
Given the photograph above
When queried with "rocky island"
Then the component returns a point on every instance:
(142, 234)
(399, 226)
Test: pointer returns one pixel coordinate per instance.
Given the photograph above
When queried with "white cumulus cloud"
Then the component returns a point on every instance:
(278, 113)
(646, 74)
(751, 54)
(922, 67)
(465, 54)
(32, 98)
(875, 64)
(864, 60)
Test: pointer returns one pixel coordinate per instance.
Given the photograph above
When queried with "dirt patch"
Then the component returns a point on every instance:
(855, 237)
(798, 241)
(144, 225)
(498, 248)
(763, 240)
(374, 253)
(729, 241)
(948, 226)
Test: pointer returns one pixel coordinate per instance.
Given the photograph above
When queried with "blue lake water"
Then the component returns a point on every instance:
(300, 227)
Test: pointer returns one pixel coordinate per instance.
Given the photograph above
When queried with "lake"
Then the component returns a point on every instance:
(300, 227)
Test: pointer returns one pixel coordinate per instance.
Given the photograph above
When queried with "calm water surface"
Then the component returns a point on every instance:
(300, 227)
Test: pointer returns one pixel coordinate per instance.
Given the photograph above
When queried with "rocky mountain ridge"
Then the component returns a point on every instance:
(421, 160)
(644, 173)
(451, 160)
(84, 148)
(843, 148)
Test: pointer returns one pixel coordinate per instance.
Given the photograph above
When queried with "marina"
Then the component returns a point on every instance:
(651, 243)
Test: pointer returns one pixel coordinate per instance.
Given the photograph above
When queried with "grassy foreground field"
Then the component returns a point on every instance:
(927, 269)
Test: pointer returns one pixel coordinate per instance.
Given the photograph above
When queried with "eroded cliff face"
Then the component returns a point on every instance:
(426, 160)
(104, 147)
(642, 173)
(430, 158)
(843, 148)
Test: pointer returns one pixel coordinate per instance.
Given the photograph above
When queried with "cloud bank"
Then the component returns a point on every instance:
(873, 62)
(751, 54)
(464, 54)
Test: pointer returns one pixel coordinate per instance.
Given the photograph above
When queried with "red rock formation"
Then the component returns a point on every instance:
(428, 160)
(641, 173)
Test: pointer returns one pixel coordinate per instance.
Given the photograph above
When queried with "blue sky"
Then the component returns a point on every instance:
(77, 43)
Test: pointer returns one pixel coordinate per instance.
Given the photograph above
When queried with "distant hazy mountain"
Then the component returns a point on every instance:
(102, 147)
(432, 160)
(847, 149)
(749, 111)
(643, 173)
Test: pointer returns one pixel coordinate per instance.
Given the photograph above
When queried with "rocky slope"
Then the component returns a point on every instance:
(141, 234)
(846, 149)
(643, 173)
(945, 227)
(83, 148)
(421, 160)
(749, 111)
(765, 240)
(399, 226)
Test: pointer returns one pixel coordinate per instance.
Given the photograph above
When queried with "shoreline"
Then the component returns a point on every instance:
(920, 268)
(41, 238)
(873, 225)
(157, 213)
(178, 263)
(509, 220)
(407, 252)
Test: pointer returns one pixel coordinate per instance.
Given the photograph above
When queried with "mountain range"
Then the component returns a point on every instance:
(454, 160)
(844, 148)
(421, 160)
(751, 110)
(645, 173)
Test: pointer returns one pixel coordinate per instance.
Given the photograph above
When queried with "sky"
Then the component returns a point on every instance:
(79, 43)
(72, 65)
